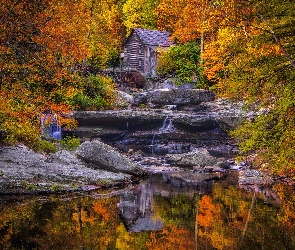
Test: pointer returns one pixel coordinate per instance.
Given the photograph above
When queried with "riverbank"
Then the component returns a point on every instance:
(24, 171)
(141, 142)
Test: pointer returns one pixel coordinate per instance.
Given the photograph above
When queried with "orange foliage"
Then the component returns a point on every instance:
(101, 209)
(168, 13)
(198, 17)
(66, 27)
(208, 212)
(40, 40)
(172, 238)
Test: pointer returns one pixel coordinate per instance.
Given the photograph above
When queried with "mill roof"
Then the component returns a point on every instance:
(153, 37)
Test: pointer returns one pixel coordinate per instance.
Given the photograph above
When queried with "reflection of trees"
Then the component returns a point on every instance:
(20, 225)
(176, 210)
(232, 218)
(286, 215)
(229, 218)
(60, 225)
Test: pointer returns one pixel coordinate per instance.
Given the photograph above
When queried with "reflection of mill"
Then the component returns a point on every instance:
(137, 210)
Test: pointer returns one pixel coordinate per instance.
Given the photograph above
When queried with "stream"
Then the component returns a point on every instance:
(177, 207)
(163, 212)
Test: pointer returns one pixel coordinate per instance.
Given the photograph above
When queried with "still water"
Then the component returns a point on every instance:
(167, 211)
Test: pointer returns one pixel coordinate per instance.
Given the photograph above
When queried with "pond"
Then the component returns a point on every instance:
(166, 211)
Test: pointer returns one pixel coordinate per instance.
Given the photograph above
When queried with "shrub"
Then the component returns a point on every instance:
(182, 60)
(44, 146)
(97, 93)
(70, 143)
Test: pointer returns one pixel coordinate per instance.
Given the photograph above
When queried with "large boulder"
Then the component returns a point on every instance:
(174, 97)
(106, 157)
(124, 99)
(181, 96)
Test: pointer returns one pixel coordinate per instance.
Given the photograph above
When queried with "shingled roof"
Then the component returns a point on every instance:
(153, 37)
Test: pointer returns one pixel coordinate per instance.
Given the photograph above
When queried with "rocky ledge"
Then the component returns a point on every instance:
(221, 112)
(24, 171)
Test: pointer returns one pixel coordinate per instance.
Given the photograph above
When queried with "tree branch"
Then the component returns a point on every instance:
(278, 42)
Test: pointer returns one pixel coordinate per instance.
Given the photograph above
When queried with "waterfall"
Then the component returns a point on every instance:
(167, 125)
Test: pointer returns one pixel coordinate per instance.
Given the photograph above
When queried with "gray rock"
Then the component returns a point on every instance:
(25, 171)
(198, 157)
(64, 157)
(207, 115)
(174, 97)
(106, 157)
(141, 98)
(21, 155)
(181, 96)
(167, 84)
(254, 177)
(124, 99)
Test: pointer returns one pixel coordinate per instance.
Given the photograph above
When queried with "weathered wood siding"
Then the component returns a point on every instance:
(134, 53)
(151, 60)
(140, 50)
(140, 57)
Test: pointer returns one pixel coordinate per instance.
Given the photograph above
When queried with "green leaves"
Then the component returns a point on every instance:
(183, 61)
(97, 93)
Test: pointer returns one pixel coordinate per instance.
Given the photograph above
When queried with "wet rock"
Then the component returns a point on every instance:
(141, 98)
(106, 157)
(216, 114)
(222, 151)
(229, 122)
(209, 169)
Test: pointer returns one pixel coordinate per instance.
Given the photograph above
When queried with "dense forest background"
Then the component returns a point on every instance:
(241, 49)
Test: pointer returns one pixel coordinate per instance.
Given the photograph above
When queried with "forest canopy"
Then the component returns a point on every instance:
(245, 49)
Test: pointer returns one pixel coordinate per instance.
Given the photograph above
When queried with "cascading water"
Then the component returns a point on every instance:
(167, 125)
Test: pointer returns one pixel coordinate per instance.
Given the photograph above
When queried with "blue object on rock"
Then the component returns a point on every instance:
(50, 127)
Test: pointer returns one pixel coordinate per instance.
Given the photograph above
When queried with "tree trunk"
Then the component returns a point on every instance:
(202, 49)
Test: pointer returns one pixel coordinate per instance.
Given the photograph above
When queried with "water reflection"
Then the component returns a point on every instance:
(175, 211)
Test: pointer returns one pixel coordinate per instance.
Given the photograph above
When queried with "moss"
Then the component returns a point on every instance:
(55, 187)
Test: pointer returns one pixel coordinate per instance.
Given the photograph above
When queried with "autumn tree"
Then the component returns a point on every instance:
(105, 34)
(262, 72)
(40, 40)
(168, 13)
(139, 14)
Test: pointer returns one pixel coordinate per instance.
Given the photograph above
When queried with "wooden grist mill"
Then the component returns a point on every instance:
(140, 57)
